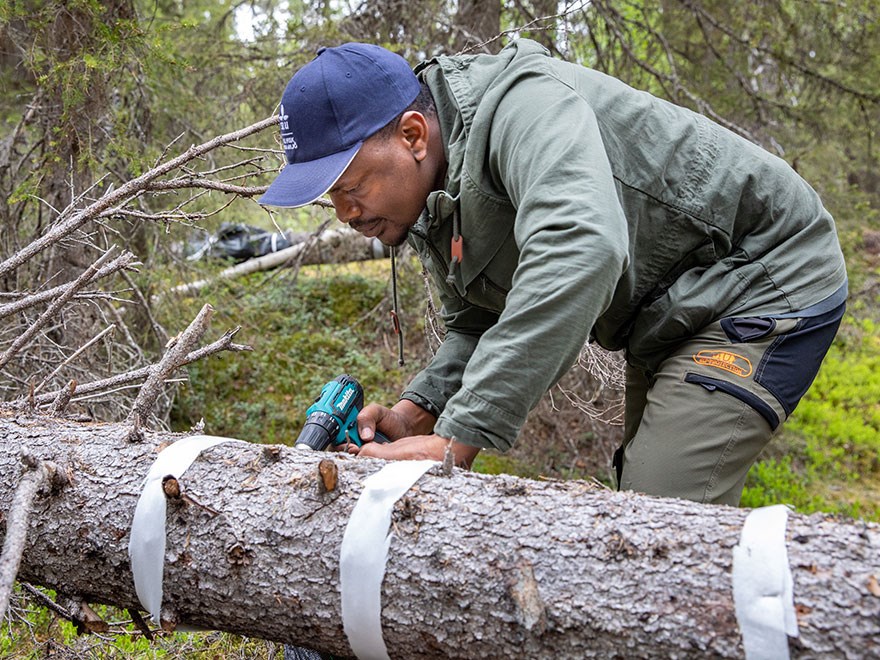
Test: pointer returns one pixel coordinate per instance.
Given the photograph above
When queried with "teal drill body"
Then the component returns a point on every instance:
(332, 418)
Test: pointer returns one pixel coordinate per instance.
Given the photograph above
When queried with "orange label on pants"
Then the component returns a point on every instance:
(725, 360)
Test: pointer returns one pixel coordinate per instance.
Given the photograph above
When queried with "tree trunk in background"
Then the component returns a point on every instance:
(479, 566)
(476, 23)
(74, 69)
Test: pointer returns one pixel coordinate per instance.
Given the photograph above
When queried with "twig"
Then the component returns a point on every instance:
(58, 303)
(122, 388)
(174, 357)
(31, 300)
(223, 344)
(158, 330)
(176, 214)
(208, 184)
(45, 601)
(115, 312)
(73, 356)
(141, 625)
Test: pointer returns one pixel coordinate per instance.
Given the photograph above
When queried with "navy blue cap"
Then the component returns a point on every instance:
(330, 106)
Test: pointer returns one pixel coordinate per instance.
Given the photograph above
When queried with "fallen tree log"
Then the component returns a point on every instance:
(331, 246)
(491, 566)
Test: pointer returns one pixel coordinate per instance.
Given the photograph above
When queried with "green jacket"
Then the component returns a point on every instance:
(590, 210)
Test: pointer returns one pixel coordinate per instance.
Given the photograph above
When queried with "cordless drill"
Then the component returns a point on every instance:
(333, 416)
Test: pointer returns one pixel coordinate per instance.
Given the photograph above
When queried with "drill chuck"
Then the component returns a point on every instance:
(318, 432)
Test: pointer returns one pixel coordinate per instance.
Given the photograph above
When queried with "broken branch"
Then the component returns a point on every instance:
(34, 477)
(174, 358)
(122, 260)
(223, 344)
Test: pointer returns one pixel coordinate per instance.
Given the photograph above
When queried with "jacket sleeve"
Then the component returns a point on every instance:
(572, 235)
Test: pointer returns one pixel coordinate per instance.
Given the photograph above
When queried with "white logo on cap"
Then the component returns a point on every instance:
(287, 141)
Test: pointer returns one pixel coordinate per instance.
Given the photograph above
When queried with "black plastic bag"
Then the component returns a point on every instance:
(239, 243)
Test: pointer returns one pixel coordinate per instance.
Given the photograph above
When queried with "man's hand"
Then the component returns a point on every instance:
(402, 420)
(410, 427)
(419, 447)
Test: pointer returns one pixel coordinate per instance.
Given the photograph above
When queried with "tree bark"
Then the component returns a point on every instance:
(479, 566)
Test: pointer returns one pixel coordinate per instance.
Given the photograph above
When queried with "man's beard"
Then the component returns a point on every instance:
(400, 240)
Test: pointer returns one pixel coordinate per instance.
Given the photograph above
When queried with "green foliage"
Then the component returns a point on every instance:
(493, 462)
(303, 334)
(77, 53)
(31, 632)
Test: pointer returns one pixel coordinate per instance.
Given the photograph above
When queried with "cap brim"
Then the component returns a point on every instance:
(299, 184)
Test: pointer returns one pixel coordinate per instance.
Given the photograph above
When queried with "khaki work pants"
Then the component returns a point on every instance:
(695, 426)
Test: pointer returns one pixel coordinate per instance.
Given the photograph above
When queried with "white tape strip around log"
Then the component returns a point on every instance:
(762, 585)
(146, 546)
(364, 554)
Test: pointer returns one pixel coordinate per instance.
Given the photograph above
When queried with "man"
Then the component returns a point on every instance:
(554, 205)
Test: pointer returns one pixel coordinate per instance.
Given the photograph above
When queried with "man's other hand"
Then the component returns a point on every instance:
(402, 420)
(419, 447)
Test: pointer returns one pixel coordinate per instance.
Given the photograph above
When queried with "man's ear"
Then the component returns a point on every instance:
(413, 128)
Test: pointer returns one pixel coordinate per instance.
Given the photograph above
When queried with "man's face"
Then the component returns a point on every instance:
(383, 190)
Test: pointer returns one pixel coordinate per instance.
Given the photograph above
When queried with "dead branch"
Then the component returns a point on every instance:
(122, 260)
(173, 359)
(601, 398)
(223, 344)
(345, 244)
(207, 184)
(36, 475)
(43, 600)
(158, 330)
(177, 214)
(77, 352)
(108, 203)
(59, 405)
(27, 301)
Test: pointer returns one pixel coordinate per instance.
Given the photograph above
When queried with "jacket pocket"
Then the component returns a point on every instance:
(792, 361)
(747, 328)
(749, 398)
